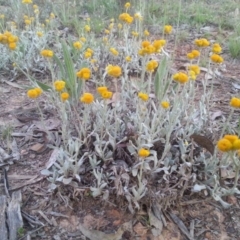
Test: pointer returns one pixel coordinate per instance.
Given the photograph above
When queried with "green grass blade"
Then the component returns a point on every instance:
(159, 82)
(70, 71)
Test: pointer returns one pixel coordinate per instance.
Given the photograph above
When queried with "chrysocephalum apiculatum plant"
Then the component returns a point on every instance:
(129, 132)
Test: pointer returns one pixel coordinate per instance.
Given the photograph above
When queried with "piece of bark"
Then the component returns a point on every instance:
(14, 217)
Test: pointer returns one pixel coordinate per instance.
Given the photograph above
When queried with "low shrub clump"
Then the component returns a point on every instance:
(121, 135)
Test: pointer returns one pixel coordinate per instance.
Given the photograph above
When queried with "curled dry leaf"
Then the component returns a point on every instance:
(203, 142)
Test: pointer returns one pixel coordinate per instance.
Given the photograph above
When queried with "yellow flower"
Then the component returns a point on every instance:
(235, 102)
(59, 85)
(143, 153)
(146, 33)
(165, 104)
(119, 26)
(216, 48)
(93, 61)
(114, 71)
(111, 25)
(126, 18)
(127, 5)
(2, 16)
(106, 31)
(87, 54)
(38, 90)
(27, 21)
(83, 39)
(87, 98)
(158, 44)
(105, 40)
(87, 28)
(151, 65)
(190, 55)
(143, 96)
(47, 53)
(84, 73)
(145, 44)
(180, 77)
(33, 93)
(12, 46)
(102, 89)
(128, 59)
(77, 45)
(35, 6)
(202, 42)
(216, 58)
(167, 29)
(36, 11)
(52, 16)
(106, 94)
(114, 51)
(224, 145)
(40, 34)
(27, 1)
(138, 16)
(195, 69)
(89, 50)
(192, 75)
(135, 34)
(195, 53)
(231, 138)
(47, 21)
(64, 96)
(236, 144)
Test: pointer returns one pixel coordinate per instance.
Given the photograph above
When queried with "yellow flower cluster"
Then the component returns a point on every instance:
(84, 73)
(27, 1)
(126, 18)
(114, 51)
(193, 71)
(235, 102)
(148, 48)
(216, 48)
(151, 65)
(104, 92)
(146, 33)
(87, 98)
(34, 92)
(202, 42)
(143, 96)
(127, 5)
(9, 39)
(167, 29)
(114, 71)
(87, 28)
(135, 34)
(47, 53)
(180, 77)
(193, 54)
(59, 85)
(77, 45)
(128, 59)
(88, 53)
(39, 34)
(165, 104)
(64, 96)
(83, 39)
(216, 58)
(229, 143)
(143, 153)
